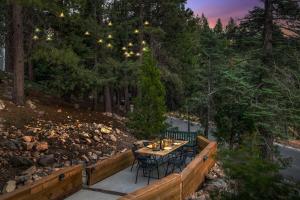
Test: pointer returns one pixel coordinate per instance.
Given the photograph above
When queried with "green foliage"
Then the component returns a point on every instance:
(252, 177)
(148, 118)
(60, 71)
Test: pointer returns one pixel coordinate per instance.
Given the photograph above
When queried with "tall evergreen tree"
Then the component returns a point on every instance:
(148, 117)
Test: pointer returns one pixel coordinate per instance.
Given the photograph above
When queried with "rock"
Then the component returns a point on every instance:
(2, 105)
(42, 146)
(47, 160)
(10, 186)
(28, 146)
(17, 161)
(88, 140)
(29, 171)
(27, 138)
(22, 179)
(31, 104)
(96, 138)
(93, 156)
(113, 138)
(85, 158)
(9, 144)
(105, 130)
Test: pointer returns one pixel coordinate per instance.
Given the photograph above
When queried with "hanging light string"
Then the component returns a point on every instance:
(127, 52)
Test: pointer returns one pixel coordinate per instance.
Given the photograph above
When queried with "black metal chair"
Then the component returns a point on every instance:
(134, 148)
(147, 164)
(177, 160)
(190, 151)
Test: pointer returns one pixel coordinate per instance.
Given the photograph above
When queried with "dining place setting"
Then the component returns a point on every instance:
(160, 157)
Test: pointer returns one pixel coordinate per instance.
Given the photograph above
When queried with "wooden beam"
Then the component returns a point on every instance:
(56, 186)
(108, 167)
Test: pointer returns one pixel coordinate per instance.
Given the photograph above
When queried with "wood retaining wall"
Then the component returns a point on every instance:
(179, 186)
(108, 167)
(56, 186)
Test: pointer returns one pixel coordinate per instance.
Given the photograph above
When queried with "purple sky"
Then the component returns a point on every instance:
(224, 9)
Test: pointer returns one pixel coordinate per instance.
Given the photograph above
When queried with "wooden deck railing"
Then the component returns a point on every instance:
(108, 167)
(178, 186)
(56, 186)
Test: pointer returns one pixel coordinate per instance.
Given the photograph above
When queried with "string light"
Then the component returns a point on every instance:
(138, 54)
(100, 41)
(143, 42)
(109, 45)
(87, 33)
(110, 24)
(127, 55)
(130, 44)
(37, 30)
(109, 36)
(131, 53)
(136, 31)
(124, 48)
(61, 15)
(35, 37)
(146, 23)
(49, 38)
(145, 49)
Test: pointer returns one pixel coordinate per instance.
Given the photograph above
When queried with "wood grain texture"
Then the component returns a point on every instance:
(193, 175)
(162, 153)
(51, 187)
(168, 188)
(180, 186)
(108, 167)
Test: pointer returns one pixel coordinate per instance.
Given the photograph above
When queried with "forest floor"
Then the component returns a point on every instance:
(47, 134)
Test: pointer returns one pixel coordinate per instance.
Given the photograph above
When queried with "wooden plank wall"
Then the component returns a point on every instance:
(108, 167)
(165, 189)
(179, 186)
(193, 175)
(56, 186)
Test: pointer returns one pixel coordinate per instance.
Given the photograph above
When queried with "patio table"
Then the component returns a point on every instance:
(176, 145)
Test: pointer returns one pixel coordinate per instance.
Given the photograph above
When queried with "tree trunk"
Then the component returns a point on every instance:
(268, 33)
(126, 97)
(9, 41)
(107, 99)
(268, 61)
(18, 53)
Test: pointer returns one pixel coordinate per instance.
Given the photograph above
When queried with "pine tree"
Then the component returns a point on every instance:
(219, 27)
(147, 119)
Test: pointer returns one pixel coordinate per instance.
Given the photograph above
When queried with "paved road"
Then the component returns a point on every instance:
(294, 154)
(286, 152)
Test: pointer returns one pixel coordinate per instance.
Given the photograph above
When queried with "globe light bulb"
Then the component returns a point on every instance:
(143, 42)
(131, 53)
(146, 23)
(37, 30)
(109, 45)
(100, 41)
(110, 24)
(61, 15)
(138, 54)
(87, 33)
(145, 49)
(130, 44)
(136, 31)
(49, 38)
(124, 48)
(35, 37)
(109, 36)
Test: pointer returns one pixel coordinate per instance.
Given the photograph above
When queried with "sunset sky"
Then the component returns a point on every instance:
(224, 9)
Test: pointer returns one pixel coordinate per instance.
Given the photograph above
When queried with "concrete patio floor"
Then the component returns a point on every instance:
(116, 185)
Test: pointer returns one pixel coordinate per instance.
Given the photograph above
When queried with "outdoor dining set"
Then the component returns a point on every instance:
(164, 155)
